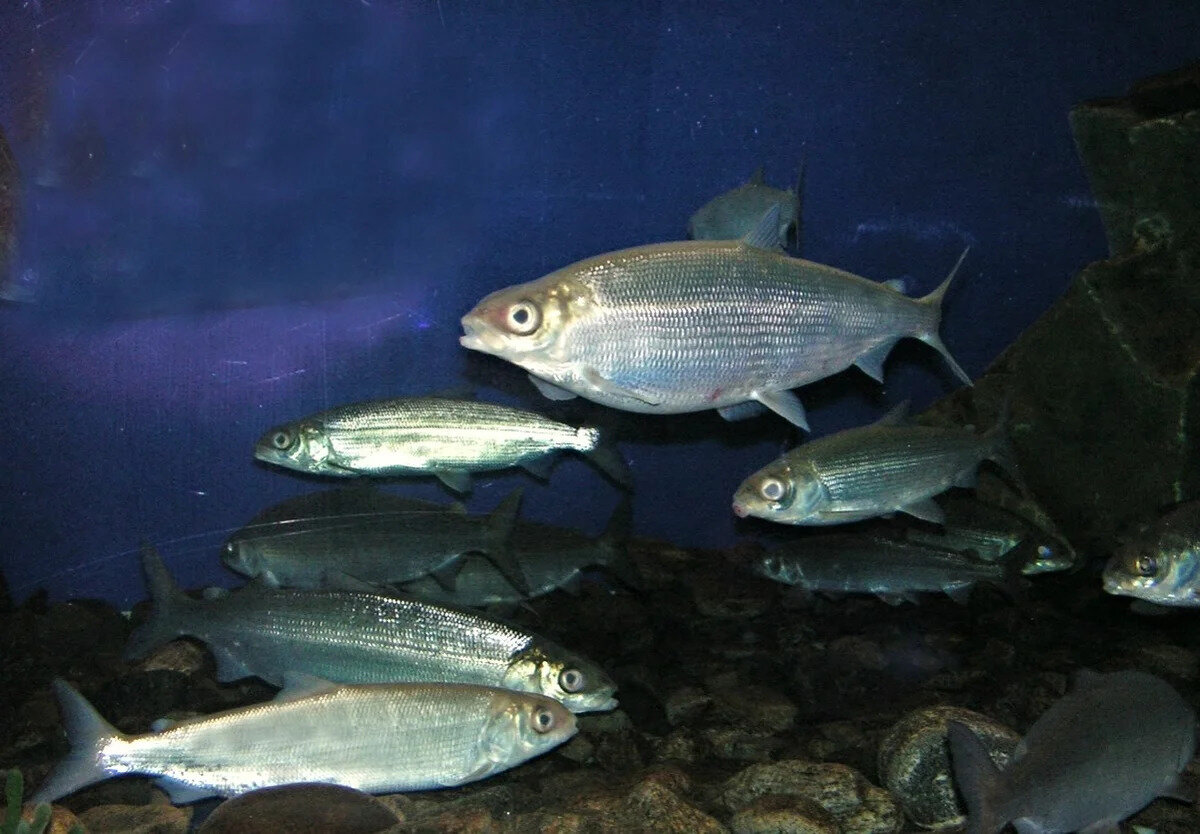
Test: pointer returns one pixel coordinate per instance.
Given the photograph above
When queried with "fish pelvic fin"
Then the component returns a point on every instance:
(605, 456)
(977, 777)
(168, 604)
(930, 335)
(89, 735)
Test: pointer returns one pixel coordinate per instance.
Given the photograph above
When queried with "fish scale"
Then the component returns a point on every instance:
(694, 325)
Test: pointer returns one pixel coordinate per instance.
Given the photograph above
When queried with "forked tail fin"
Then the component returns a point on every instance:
(89, 734)
(168, 601)
(931, 336)
(977, 778)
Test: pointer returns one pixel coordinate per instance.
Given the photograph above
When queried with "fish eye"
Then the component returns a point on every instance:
(543, 720)
(571, 680)
(1045, 551)
(772, 489)
(281, 439)
(524, 317)
(1146, 565)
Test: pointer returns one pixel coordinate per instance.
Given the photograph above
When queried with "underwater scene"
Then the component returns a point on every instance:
(762, 418)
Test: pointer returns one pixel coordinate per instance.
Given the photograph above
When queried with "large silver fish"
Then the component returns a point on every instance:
(869, 471)
(678, 327)
(1160, 565)
(1095, 757)
(550, 558)
(892, 570)
(361, 637)
(346, 536)
(735, 213)
(438, 436)
(379, 738)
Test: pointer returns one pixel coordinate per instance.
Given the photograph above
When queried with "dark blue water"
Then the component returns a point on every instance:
(237, 212)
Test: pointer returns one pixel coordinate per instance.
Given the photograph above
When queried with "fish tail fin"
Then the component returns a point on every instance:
(168, 602)
(614, 542)
(977, 777)
(605, 456)
(500, 524)
(929, 334)
(89, 734)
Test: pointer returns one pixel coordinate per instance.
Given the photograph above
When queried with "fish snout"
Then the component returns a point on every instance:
(740, 509)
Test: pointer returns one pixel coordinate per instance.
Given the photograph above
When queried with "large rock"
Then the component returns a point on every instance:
(1104, 385)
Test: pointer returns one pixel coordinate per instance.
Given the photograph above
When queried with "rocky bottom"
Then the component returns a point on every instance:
(743, 708)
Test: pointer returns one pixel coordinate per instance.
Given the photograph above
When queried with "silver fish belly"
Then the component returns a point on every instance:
(358, 637)
(678, 327)
(374, 738)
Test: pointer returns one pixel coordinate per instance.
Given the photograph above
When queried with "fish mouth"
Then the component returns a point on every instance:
(473, 334)
(740, 509)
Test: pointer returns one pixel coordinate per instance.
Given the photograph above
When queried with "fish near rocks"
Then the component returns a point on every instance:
(671, 328)
(377, 738)
(735, 213)
(1162, 564)
(1098, 755)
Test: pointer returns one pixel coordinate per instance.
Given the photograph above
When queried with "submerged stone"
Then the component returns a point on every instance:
(914, 761)
(331, 809)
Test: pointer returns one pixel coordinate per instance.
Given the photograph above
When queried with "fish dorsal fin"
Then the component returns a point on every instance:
(298, 685)
(765, 234)
(757, 177)
(897, 284)
(161, 725)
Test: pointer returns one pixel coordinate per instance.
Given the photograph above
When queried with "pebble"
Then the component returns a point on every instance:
(774, 814)
(330, 809)
(136, 819)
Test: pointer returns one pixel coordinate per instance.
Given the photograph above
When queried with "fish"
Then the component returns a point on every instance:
(991, 533)
(363, 637)
(440, 436)
(671, 328)
(365, 536)
(735, 213)
(870, 471)
(1095, 757)
(1161, 565)
(378, 738)
(893, 570)
(550, 558)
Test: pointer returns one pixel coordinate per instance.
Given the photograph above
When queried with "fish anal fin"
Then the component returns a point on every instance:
(181, 793)
(447, 575)
(230, 667)
(539, 467)
(457, 480)
(871, 362)
(298, 685)
(741, 411)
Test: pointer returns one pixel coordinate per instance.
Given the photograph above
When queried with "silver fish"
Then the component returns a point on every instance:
(438, 436)
(359, 637)
(550, 558)
(991, 533)
(1095, 757)
(869, 471)
(677, 327)
(1162, 564)
(346, 536)
(735, 213)
(892, 570)
(378, 738)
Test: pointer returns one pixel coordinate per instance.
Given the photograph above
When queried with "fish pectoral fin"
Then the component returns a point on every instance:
(298, 685)
(742, 411)
(1099, 827)
(765, 234)
(1024, 825)
(485, 769)
(181, 793)
(551, 391)
(458, 480)
(927, 510)
(605, 385)
(897, 598)
(871, 362)
(784, 403)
